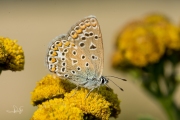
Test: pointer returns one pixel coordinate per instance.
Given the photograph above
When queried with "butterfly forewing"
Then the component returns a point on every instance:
(89, 39)
(78, 55)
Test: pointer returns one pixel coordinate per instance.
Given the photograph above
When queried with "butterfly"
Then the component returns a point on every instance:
(78, 56)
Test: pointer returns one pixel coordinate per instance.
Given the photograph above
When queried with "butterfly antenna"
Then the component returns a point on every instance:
(116, 85)
(117, 78)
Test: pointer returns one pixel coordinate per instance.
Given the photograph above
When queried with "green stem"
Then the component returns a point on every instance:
(170, 108)
(166, 100)
(168, 105)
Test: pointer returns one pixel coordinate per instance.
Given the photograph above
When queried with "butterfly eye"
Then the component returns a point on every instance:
(93, 22)
(74, 35)
(87, 23)
(82, 26)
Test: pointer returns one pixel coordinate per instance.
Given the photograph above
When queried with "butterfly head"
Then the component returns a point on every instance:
(104, 80)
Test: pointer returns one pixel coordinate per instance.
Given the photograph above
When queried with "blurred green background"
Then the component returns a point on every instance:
(35, 23)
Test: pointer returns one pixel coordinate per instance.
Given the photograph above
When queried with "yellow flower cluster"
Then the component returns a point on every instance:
(145, 41)
(94, 104)
(108, 94)
(49, 87)
(138, 45)
(72, 104)
(11, 55)
(57, 109)
(2, 53)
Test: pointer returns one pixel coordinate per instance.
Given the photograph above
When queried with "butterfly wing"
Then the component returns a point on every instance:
(86, 34)
(78, 55)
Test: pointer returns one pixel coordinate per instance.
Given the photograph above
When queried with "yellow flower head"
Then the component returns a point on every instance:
(100, 104)
(112, 98)
(57, 109)
(49, 87)
(11, 55)
(3, 54)
(94, 105)
(138, 45)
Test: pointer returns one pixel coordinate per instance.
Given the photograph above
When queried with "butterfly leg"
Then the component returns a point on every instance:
(89, 93)
(75, 91)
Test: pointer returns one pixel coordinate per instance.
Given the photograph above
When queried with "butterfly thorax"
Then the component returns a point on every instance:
(94, 82)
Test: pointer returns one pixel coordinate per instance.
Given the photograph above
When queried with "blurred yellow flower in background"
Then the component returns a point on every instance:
(57, 99)
(155, 18)
(11, 55)
(118, 59)
(145, 41)
(146, 49)
(138, 45)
